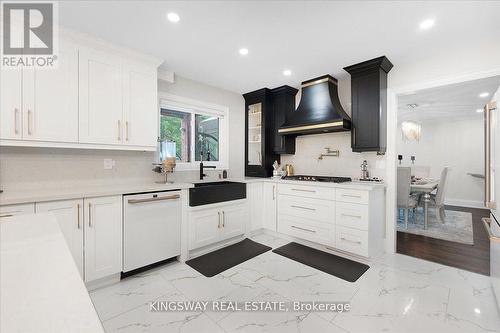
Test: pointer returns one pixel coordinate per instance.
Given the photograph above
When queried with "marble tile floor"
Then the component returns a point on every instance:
(397, 294)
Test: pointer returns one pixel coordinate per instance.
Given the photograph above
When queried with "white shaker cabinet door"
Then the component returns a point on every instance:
(69, 215)
(11, 104)
(100, 98)
(270, 203)
(140, 105)
(234, 218)
(103, 237)
(204, 227)
(50, 99)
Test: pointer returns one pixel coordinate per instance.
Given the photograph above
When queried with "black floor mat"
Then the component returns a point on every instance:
(340, 267)
(216, 262)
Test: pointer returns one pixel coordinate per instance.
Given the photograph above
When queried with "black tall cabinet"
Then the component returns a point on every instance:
(283, 101)
(369, 104)
(259, 154)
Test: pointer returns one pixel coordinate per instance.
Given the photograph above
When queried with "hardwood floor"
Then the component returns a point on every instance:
(474, 258)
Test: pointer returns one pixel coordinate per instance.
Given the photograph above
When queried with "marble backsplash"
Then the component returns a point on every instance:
(309, 147)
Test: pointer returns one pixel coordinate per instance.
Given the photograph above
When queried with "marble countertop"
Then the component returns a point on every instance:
(40, 286)
(99, 190)
(355, 184)
(88, 191)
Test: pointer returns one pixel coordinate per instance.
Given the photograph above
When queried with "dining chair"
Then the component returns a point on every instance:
(405, 200)
(437, 200)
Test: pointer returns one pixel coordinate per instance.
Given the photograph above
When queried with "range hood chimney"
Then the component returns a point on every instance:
(319, 110)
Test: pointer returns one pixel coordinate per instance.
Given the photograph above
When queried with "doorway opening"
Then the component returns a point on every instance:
(440, 174)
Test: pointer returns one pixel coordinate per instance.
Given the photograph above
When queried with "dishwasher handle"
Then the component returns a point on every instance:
(168, 197)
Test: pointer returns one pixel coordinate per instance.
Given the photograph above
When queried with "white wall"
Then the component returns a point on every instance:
(456, 144)
(27, 168)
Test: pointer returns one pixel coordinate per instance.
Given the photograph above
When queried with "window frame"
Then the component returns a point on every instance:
(193, 106)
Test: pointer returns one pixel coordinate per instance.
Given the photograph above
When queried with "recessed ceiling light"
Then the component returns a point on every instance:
(173, 17)
(287, 72)
(484, 94)
(243, 51)
(426, 24)
(479, 110)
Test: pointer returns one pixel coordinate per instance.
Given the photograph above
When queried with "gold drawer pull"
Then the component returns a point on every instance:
(350, 241)
(302, 190)
(300, 207)
(351, 196)
(349, 215)
(304, 229)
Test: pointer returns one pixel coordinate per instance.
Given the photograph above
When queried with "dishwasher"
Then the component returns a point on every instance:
(151, 228)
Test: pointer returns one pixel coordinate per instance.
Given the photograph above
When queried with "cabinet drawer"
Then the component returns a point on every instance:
(306, 229)
(13, 210)
(313, 209)
(351, 240)
(354, 196)
(316, 192)
(351, 215)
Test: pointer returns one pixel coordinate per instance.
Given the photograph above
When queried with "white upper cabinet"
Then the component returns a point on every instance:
(11, 104)
(100, 98)
(50, 100)
(140, 98)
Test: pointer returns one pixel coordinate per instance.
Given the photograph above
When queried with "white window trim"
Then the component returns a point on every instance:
(184, 104)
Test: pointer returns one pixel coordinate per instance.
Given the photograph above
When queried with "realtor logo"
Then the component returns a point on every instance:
(29, 34)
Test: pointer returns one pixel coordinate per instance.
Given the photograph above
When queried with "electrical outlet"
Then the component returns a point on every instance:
(108, 164)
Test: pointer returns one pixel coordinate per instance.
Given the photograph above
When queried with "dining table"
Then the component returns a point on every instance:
(424, 187)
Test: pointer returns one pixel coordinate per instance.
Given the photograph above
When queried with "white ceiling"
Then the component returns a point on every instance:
(310, 38)
(455, 101)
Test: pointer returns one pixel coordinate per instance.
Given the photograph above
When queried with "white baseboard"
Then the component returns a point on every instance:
(464, 203)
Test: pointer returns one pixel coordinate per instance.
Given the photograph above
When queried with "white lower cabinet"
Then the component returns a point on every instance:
(69, 215)
(103, 237)
(347, 219)
(93, 231)
(214, 224)
(20, 209)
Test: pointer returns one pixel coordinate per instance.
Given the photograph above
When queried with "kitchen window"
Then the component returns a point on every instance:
(192, 131)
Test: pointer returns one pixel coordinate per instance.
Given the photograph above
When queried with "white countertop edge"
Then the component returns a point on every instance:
(40, 287)
(355, 184)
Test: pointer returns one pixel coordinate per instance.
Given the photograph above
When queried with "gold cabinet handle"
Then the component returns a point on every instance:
(126, 131)
(302, 207)
(30, 116)
(169, 197)
(223, 219)
(350, 241)
(274, 192)
(119, 130)
(7, 215)
(90, 216)
(303, 229)
(218, 224)
(78, 216)
(16, 120)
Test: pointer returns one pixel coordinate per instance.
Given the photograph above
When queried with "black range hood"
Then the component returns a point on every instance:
(319, 110)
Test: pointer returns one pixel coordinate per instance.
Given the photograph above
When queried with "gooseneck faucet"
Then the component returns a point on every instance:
(204, 166)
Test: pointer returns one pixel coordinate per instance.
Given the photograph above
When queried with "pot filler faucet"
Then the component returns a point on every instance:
(204, 167)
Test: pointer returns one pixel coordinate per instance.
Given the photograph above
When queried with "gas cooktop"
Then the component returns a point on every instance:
(319, 179)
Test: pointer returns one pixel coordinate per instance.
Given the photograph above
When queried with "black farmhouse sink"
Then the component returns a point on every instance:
(213, 192)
